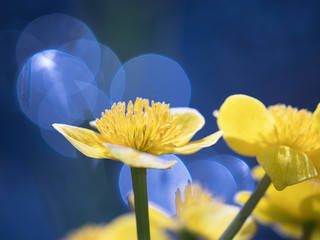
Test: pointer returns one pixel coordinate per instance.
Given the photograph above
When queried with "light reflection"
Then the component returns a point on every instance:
(50, 32)
(223, 175)
(109, 65)
(87, 50)
(239, 170)
(215, 177)
(58, 143)
(163, 184)
(53, 76)
(154, 77)
(45, 60)
(76, 109)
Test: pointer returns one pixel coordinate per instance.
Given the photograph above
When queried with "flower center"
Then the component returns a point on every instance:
(140, 126)
(294, 128)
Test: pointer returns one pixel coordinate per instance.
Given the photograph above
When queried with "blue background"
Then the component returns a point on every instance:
(266, 49)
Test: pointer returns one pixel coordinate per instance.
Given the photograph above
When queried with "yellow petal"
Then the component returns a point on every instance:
(270, 214)
(245, 121)
(258, 173)
(286, 166)
(211, 220)
(266, 212)
(289, 230)
(315, 235)
(293, 198)
(315, 155)
(195, 146)
(316, 117)
(157, 217)
(315, 158)
(162, 221)
(242, 197)
(310, 207)
(86, 141)
(88, 232)
(286, 211)
(124, 227)
(137, 159)
(191, 120)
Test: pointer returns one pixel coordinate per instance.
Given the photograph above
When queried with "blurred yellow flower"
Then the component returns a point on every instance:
(285, 140)
(136, 134)
(207, 217)
(88, 232)
(123, 227)
(289, 211)
(199, 213)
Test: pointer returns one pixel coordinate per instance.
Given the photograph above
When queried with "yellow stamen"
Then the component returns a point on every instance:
(140, 126)
(294, 128)
(194, 195)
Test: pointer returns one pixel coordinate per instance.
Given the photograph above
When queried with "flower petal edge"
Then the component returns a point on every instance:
(195, 146)
(85, 140)
(136, 158)
(191, 120)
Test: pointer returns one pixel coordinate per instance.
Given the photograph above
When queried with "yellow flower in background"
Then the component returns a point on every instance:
(89, 232)
(291, 210)
(136, 133)
(207, 217)
(123, 227)
(200, 214)
(285, 140)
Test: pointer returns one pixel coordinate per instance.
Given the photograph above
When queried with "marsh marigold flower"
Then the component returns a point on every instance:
(122, 227)
(88, 232)
(200, 214)
(136, 133)
(289, 211)
(205, 216)
(285, 140)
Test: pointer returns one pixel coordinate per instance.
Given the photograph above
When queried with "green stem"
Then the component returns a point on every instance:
(308, 228)
(139, 184)
(186, 235)
(245, 212)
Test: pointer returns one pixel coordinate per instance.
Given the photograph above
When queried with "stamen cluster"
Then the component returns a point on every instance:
(294, 128)
(195, 195)
(144, 127)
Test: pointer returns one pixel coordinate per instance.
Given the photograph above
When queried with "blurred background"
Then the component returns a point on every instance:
(266, 49)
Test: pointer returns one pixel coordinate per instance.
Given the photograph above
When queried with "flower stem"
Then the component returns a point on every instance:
(245, 212)
(139, 184)
(308, 228)
(186, 235)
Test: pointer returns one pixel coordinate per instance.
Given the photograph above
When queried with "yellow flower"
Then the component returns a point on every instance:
(123, 227)
(288, 211)
(89, 232)
(200, 214)
(137, 133)
(205, 216)
(285, 140)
